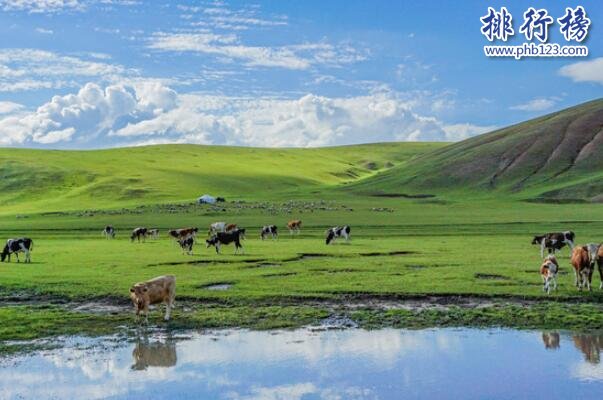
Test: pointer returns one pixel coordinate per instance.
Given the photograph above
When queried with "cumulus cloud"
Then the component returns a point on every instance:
(539, 104)
(149, 112)
(230, 47)
(7, 107)
(584, 71)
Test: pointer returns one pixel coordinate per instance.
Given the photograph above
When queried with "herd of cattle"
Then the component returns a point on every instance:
(162, 289)
(583, 259)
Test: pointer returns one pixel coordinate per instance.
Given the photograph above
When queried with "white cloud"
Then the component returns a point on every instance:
(57, 6)
(229, 47)
(32, 69)
(8, 107)
(539, 104)
(40, 6)
(218, 16)
(456, 132)
(148, 112)
(584, 71)
(44, 31)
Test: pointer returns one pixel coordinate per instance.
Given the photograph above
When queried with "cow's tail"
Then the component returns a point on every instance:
(31, 246)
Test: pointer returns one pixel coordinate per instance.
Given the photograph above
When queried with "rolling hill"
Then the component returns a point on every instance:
(43, 180)
(556, 157)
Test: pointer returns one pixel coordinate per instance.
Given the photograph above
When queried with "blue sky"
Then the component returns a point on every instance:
(105, 73)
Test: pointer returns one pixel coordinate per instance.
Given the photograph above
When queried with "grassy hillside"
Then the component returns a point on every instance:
(557, 156)
(39, 180)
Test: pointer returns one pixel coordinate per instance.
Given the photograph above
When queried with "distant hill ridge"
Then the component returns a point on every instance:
(557, 156)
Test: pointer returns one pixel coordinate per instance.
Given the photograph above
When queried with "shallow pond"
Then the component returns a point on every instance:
(314, 364)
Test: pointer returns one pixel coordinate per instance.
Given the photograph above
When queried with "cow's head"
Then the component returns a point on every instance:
(537, 239)
(211, 241)
(5, 253)
(139, 295)
(330, 236)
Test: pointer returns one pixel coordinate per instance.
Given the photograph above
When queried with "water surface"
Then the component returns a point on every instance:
(310, 364)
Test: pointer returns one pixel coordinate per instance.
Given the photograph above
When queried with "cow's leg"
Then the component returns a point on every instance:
(575, 277)
(168, 309)
(570, 244)
(17, 254)
(542, 244)
(555, 282)
(600, 265)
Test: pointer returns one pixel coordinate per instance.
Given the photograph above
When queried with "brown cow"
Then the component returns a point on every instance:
(548, 271)
(155, 291)
(583, 266)
(230, 227)
(183, 233)
(294, 226)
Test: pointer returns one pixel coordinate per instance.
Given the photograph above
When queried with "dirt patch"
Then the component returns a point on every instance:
(387, 253)
(340, 271)
(480, 275)
(264, 265)
(279, 275)
(416, 266)
(208, 261)
(219, 286)
(405, 195)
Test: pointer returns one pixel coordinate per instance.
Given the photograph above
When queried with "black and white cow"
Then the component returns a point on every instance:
(109, 232)
(225, 238)
(267, 230)
(138, 233)
(15, 246)
(186, 245)
(337, 232)
(554, 241)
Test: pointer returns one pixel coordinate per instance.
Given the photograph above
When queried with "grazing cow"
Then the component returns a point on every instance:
(153, 233)
(583, 266)
(230, 227)
(138, 233)
(554, 241)
(158, 290)
(109, 232)
(187, 245)
(220, 199)
(183, 233)
(216, 227)
(271, 230)
(337, 232)
(15, 246)
(224, 238)
(548, 271)
(294, 226)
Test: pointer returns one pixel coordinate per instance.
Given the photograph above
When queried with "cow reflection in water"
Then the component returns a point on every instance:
(590, 346)
(154, 354)
(551, 340)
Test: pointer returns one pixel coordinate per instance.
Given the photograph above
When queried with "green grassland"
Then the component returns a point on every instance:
(37, 180)
(470, 246)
